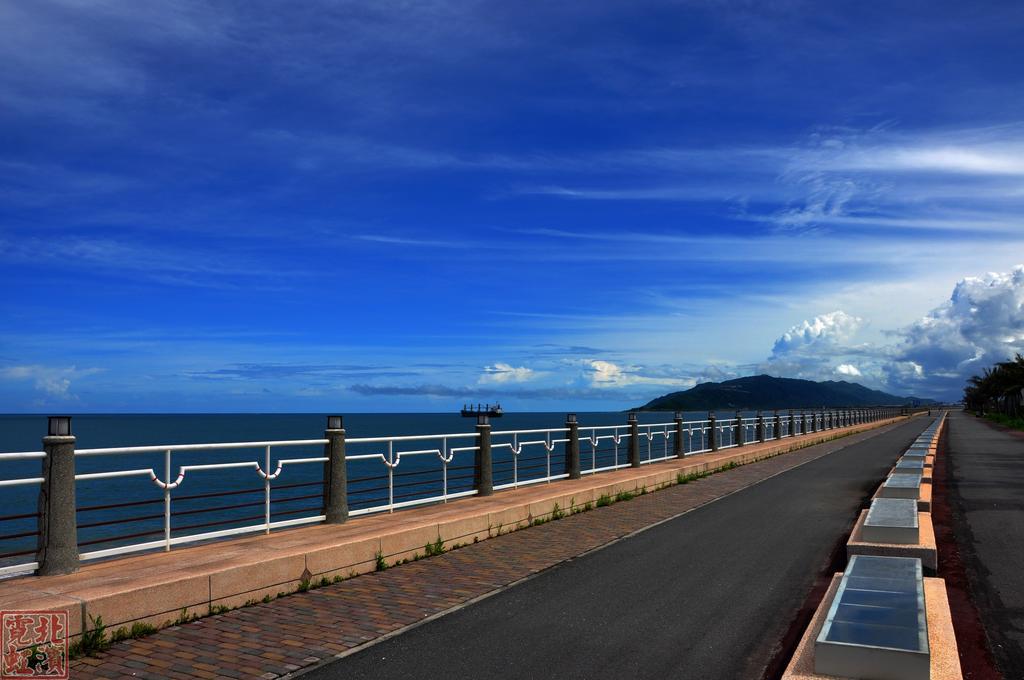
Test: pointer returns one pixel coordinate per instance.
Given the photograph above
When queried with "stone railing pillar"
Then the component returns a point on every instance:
(792, 423)
(713, 431)
(760, 427)
(677, 445)
(634, 441)
(778, 425)
(335, 472)
(483, 468)
(572, 447)
(741, 434)
(58, 527)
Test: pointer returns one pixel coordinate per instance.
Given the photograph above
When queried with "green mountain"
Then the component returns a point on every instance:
(767, 392)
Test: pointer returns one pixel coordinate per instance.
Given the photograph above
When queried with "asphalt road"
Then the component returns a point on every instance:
(988, 509)
(707, 595)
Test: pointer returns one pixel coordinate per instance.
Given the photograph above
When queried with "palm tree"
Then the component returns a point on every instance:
(1000, 388)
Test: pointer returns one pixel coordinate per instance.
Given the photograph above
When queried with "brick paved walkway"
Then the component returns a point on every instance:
(304, 629)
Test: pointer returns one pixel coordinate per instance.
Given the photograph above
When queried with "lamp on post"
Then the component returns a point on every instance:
(58, 426)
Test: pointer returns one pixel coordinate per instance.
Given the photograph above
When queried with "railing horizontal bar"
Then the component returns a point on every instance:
(21, 535)
(527, 482)
(219, 522)
(422, 482)
(28, 567)
(197, 447)
(588, 471)
(123, 520)
(646, 461)
(22, 455)
(409, 504)
(410, 473)
(128, 504)
(122, 550)
(29, 515)
(296, 511)
(180, 540)
(111, 539)
(111, 475)
(214, 494)
(296, 485)
(21, 482)
(409, 438)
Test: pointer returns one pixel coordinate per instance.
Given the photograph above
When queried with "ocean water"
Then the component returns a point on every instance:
(129, 510)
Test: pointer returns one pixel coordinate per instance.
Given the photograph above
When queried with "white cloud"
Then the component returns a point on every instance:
(506, 373)
(827, 329)
(605, 374)
(965, 179)
(933, 156)
(52, 381)
(981, 323)
(827, 347)
(848, 369)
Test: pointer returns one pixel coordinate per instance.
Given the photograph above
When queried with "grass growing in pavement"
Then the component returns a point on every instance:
(92, 640)
(137, 631)
(435, 548)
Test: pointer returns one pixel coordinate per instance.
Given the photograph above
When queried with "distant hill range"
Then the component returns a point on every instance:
(766, 392)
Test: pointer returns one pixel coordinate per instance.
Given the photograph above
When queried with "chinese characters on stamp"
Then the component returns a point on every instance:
(34, 644)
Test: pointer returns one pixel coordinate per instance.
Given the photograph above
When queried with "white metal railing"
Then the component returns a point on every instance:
(615, 434)
(23, 481)
(726, 433)
(391, 459)
(547, 439)
(166, 485)
(652, 431)
(700, 428)
(602, 448)
(22, 455)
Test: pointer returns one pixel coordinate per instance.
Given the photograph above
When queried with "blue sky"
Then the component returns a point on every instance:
(263, 206)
